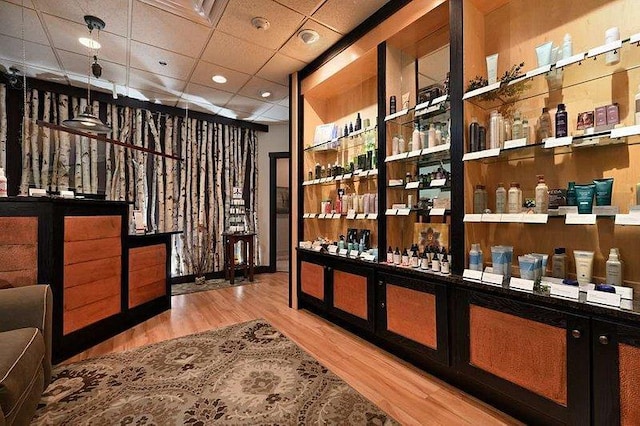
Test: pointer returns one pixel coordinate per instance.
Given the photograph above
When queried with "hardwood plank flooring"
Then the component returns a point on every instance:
(410, 395)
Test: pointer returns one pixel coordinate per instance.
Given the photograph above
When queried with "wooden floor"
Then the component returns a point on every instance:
(408, 394)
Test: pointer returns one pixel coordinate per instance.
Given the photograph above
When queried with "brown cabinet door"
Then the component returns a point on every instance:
(312, 280)
(351, 295)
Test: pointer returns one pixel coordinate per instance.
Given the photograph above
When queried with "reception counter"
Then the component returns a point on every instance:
(103, 280)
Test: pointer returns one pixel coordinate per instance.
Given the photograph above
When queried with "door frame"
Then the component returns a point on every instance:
(273, 175)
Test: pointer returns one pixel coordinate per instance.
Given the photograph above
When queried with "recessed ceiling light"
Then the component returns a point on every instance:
(265, 93)
(91, 44)
(163, 63)
(260, 23)
(219, 79)
(308, 36)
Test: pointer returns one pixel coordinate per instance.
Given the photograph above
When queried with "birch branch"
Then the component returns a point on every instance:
(25, 179)
(46, 141)
(65, 149)
(94, 153)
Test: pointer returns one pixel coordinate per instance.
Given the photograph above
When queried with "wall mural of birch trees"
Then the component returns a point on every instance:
(189, 196)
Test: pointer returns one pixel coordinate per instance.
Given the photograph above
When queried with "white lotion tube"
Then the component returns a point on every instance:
(584, 265)
(492, 68)
(543, 53)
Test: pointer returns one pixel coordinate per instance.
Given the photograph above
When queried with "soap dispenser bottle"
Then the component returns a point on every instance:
(614, 268)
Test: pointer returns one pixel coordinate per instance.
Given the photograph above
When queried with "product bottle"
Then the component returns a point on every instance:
(438, 135)
(431, 136)
(415, 137)
(501, 198)
(526, 130)
(390, 255)
(474, 135)
(508, 134)
(542, 196)
(567, 47)
(394, 145)
(435, 263)
(397, 258)
(415, 260)
(572, 200)
(358, 125)
(402, 146)
(482, 144)
(494, 130)
(514, 198)
(516, 128)
(423, 139)
(3, 184)
(392, 105)
(614, 268)
(473, 258)
(405, 258)
(544, 125)
(424, 261)
(559, 267)
(479, 199)
(561, 122)
(612, 57)
(637, 98)
(444, 264)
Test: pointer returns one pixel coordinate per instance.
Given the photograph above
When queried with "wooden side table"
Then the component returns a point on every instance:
(230, 267)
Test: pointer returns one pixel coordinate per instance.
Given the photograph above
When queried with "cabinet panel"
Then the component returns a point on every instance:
(528, 353)
(629, 374)
(18, 251)
(412, 314)
(350, 293)
(312, 279)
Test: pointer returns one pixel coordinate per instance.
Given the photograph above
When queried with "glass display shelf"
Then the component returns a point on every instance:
(334, 145)
(579, 69)
(627, 135)
(341, 216)
(356, 176)
(442, 188)
(543, 218)
(436, 113)
(409, 211)
(425, 155)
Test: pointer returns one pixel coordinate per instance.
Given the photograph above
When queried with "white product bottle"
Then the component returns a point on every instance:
(415, 138)
(637, 99)
(567, 47)
(542, 196)
(614, 268)
(432, 136)
(611, 35)
(3, 183)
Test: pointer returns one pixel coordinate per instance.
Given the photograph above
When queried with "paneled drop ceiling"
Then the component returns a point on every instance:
(196, 38)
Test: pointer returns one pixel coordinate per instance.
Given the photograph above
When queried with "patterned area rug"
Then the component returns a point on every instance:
(214, 284)
(245, 374)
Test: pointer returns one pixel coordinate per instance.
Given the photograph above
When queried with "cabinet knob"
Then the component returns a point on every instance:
(604, 340)
(329, 268)
(382, 305)
(576, 334)
(380, 283)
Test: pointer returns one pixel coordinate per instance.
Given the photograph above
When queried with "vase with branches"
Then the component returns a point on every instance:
(196, 253)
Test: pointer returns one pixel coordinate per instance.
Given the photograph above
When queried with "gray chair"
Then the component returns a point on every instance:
(25, 351)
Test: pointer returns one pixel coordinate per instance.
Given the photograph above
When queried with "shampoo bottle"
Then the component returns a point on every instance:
(514, 198)
(474, 133)
(544, 125)
(572, 200)
(559, 267)
(516, 128)
(614, 268)
(525, 129)
(3, 184)
(542, 196)
(431, 136)
(501, 198)
(567, 47)
(473, 258)
(561, 122)
(415, 138)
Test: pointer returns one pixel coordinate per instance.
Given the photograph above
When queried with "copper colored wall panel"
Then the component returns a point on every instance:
(350, 293)
(528, 353)
(18, 251)
(312, 279)
(629, 366)
(412, 314)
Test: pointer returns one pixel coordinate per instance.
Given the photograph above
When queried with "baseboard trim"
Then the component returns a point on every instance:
(218, 274)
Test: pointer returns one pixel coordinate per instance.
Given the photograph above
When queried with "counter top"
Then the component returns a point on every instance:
(60, 200)
(580, 306)
(154, 234)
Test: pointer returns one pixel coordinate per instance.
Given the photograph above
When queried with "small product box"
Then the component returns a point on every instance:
(613, 116)
(601, 116)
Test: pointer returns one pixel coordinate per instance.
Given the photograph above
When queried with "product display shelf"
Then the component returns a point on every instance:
(329, 144)
(626, 135)
(423, 111)
(356, 176)
(585, 67)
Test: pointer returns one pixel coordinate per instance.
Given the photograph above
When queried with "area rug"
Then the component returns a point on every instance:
(214, 284)
(245, 374)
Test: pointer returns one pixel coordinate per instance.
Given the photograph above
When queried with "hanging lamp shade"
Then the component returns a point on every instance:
(87, 122)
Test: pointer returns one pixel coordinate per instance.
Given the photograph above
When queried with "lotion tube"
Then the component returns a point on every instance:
(584, 265)
(492, 68)
(543, 53)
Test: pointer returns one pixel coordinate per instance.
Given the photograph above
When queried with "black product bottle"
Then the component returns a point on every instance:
(397, 258)
(482, 138)
(392, 105)
(351, 127)
(390, 255)
(358, 125)
(346, 130)
(474, 135)
(561, 122)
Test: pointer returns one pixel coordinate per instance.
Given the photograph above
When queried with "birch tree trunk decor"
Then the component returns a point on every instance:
(3, 126)
(191, 196)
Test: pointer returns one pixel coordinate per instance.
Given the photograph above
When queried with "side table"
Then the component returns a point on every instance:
(230, 267)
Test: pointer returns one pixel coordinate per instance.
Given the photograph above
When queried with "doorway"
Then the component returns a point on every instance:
(280, 212)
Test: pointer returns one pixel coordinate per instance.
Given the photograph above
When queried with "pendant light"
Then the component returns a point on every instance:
(86, 120)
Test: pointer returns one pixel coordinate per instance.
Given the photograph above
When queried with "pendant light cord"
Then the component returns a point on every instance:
(24, 78)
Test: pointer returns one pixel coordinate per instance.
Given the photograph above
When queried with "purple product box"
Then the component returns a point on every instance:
(601, 116)
(612, 114)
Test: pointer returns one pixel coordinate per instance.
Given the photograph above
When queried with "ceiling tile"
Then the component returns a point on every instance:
(303, 6)
(204, 71)
(284, 102)
(196, 106)
(11, 23)
(256, 86)
(308, 52)
(279, 67)
(65, 36)
(345, 15)
(79, 64)
(236, 21)
(277, 112)
(36, 54)
(143, 80)
(242, 104)
(159, 28)
(113, 12)
(224, 49)
(146, 58)
(206, 95)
